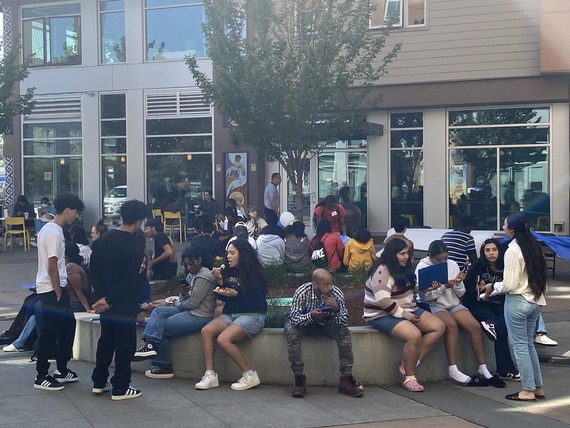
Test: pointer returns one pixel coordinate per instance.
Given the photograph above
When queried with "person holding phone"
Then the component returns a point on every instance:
(389, 306)
(194, 309)
(319, 309)
(489, 310)
(444, 303)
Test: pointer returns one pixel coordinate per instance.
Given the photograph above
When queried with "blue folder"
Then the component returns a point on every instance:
(427, 275)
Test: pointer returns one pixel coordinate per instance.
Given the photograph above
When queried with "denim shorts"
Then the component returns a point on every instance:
(452, 310)
(387, 323)
(252, 323)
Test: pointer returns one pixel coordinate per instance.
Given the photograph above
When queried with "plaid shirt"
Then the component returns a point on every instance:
(305, 300)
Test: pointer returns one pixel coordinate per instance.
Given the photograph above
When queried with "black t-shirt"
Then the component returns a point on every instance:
(114, 267)
(165, 269)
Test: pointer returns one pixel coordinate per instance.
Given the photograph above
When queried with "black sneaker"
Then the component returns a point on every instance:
(70, 376)
(489, 330)
(48, 383)
(126, 394)
(145, 352)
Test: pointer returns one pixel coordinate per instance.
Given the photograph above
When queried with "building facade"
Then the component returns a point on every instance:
(475, 112)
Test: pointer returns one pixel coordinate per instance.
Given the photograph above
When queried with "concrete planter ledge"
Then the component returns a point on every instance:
(376, 356)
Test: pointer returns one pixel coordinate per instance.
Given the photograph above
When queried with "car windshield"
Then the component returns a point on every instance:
(117, 192)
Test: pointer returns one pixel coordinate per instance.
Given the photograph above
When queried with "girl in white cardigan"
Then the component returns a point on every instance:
(445, 304)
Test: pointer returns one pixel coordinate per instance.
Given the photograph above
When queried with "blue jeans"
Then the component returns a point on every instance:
(26, 331)
(540, 325)
(521, 316)
(166, 322)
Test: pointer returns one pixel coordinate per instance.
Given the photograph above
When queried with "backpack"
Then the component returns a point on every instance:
(318, 256)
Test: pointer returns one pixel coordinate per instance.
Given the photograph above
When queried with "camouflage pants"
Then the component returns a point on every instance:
(340, 334)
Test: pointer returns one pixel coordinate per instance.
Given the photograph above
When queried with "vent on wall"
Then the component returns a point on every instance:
(177, 104)
(51, 108)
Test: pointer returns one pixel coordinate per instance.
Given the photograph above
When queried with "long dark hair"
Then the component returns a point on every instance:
(324, 226)
(403, 275)
(72, 253)
(535, 264)
(482, 261)
(249, 269)
(436, 248)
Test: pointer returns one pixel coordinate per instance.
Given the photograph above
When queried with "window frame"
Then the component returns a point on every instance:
(45, 40)
(100, 30)
(401, 23)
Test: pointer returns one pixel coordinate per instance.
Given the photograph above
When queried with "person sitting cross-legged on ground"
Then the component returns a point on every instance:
(243, 288)
(194, 309)
(359, 251)
(389, 306)
(319, 309)
(444, 302)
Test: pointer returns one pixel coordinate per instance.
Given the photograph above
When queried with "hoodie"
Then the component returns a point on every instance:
(358, 253)
(271, 250)
(201, 300)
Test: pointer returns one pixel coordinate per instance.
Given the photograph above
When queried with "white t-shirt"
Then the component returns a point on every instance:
(50, 244)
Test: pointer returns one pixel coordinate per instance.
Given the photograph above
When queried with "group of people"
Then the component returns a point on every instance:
(500, 294)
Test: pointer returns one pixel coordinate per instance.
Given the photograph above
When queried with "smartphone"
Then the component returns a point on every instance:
(183, 283)
(325, 308)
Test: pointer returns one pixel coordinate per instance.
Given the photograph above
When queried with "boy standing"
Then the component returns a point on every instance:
(115, 265)
(58, 321)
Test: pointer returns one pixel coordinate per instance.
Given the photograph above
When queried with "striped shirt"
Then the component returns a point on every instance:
(382, 297)
(459, 244)
(305, 300)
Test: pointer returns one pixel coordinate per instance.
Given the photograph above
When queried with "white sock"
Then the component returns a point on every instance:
(250, 373)
(483, 371)
(418, 363)
(212, 372)
(458, 376)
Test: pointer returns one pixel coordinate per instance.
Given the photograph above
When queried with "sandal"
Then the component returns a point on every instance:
(413, 385)
(402, 370)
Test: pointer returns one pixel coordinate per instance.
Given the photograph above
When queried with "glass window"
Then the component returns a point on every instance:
(178, 179)
(407, 13)
(174, 29)
(202, 125)
(52, 35)
(178, 144)
(113, 39)
(343, 174)
(49, 176)
(407, 166)
(114, 155)
(510, 174)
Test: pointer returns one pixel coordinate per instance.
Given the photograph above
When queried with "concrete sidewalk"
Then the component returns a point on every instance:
(175, 402)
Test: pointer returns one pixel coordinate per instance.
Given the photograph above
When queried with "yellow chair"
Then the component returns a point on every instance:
(12, 233)
(157, 213)
(172, 221)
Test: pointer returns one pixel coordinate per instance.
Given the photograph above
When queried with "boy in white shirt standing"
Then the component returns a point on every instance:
(58, 321)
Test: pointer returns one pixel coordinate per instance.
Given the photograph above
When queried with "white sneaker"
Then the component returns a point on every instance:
(209, 380)
(246, 382)
(543, 339)
(10, 348)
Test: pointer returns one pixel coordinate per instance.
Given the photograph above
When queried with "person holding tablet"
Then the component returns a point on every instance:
(389, 306)
(444, 303)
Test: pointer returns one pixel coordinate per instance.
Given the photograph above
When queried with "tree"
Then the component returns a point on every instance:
(11, 73)
(300, 79)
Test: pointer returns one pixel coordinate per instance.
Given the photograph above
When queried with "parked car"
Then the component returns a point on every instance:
(113, 201)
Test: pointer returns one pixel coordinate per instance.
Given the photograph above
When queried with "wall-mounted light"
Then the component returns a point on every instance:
(189, 156)
(62, 161)
(123, 159)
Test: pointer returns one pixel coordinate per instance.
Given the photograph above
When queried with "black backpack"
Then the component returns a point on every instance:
(318, 256)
